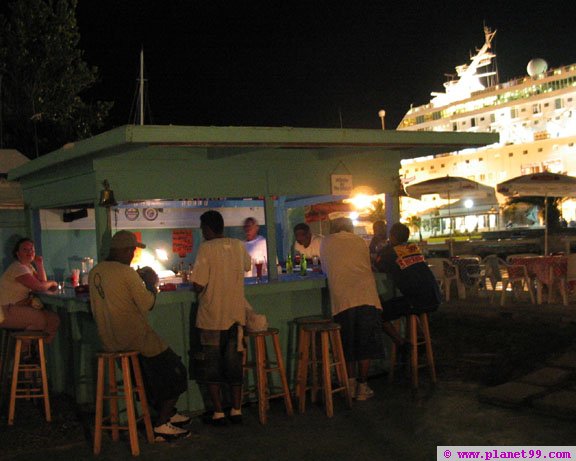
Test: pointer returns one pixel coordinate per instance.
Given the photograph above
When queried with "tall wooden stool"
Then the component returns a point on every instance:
(25, 375)
(418, 335)
(329, 340)
(313, 362)
(262, 366)
(127, 359)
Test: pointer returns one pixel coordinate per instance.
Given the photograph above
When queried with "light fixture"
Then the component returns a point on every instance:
(382, 114)
(107, 196)
(469, 203)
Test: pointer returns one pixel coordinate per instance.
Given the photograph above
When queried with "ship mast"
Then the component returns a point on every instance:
(468, 78)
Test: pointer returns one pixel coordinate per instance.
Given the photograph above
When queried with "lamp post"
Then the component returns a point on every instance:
(382, 114)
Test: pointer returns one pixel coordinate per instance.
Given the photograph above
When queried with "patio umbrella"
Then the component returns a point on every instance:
(545, 185)
(450, 187)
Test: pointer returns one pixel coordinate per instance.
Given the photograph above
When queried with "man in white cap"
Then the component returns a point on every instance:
(120, 299)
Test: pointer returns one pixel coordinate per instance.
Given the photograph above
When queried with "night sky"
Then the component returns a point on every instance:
(305, 63)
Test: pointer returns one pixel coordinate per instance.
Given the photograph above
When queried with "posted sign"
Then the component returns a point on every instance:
(182, 242)
(341, 184)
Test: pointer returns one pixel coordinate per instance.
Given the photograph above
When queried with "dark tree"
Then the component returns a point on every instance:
(42, 78)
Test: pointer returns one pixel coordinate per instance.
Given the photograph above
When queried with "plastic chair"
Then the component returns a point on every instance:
(570, 277)
(517, 276)
(446, 273)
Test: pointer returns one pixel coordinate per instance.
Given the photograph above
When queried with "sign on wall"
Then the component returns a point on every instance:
(341, 184)
(182, 242)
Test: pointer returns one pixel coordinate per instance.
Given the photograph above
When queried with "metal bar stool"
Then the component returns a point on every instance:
(329, 339)
(25, 386)
(263, 366)
(127, 359)
(418, 335)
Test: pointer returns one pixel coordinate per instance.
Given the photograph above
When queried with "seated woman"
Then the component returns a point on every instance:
(18, 309)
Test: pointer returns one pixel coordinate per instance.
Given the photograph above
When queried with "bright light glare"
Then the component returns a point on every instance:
(147, 259)
(354, 215)
(361, 201)
(161, 254)
(469, 203)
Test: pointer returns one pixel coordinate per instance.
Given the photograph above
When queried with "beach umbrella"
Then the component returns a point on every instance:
(545, 185)
(450, 187)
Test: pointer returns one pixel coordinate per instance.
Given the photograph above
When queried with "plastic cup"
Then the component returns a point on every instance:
(75, 277)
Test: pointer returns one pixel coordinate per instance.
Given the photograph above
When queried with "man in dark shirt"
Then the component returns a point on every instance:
(405, 265)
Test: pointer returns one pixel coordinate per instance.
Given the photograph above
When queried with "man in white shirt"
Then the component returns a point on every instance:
(307, 243)
(254, 243)
(218, 278)
(355, 302)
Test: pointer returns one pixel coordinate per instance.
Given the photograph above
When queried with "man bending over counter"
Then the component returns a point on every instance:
(355, 304)
(120, 299)
(218, 278)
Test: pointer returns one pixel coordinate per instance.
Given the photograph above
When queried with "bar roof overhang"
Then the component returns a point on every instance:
(176, 162)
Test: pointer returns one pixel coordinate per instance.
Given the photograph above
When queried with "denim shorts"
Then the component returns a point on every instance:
(165, 377)
(220, 364)
(362, 333)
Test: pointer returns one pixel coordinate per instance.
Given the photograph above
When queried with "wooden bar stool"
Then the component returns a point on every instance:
(262, 366)
(418, 335)
(313, 363)
(25, 375)
(127, 359)
(329, 340)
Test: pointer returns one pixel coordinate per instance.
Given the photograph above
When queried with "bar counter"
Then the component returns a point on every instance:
(71, 361)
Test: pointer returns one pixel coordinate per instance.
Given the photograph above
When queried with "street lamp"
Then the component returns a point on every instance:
(382, 114)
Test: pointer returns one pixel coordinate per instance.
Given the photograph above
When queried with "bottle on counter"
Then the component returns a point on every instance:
(289, 265)
(303, 265)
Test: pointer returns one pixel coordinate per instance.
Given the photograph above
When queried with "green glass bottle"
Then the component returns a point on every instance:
(289, 265)
(303, 265)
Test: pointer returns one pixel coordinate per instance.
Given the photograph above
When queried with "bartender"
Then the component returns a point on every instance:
(306, 243)
(254, 243)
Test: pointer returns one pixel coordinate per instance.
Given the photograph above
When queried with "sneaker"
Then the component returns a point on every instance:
(179, 420)
(167, 432)
(352, 385)
(363, 392)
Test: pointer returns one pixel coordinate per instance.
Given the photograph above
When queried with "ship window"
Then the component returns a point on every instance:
(536, 108)
(558, 103)
(480, 159)
(546, 104)
(571, 144)
(467, 161)
(431, 167)
(436, 115)
(539, 149)
(510, 154)
(523, 109)
(454, 126)
(492, 118)
(442, 166)
(481, 119)
(525, 152)
(472, 122)
(569, 99)
(482, 177)
(420, 119)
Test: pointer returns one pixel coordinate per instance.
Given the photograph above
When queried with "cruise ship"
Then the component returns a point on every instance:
(535, 116)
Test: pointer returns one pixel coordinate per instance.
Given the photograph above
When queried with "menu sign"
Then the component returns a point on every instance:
(182, 242)
(341, 184)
